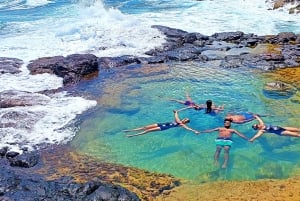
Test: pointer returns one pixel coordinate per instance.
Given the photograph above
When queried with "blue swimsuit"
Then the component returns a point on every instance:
(274, 129)
(165, 126)
(248, 116)
(189, 103)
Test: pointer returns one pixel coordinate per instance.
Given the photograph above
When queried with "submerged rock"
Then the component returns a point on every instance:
(278, 90)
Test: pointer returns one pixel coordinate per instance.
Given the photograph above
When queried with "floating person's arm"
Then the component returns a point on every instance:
(176, 117)
(240, 134)
(218, 108)
(257, 135)
(190, 129)
(210, 130)
(260, 121)
(185, 108)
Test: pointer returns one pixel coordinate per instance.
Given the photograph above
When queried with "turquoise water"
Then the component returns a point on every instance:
(136, 96)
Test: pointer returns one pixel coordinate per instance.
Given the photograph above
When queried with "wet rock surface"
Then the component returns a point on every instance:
(13, 98)
(10, 65)
(71, 68)
(231, 49)
(18, 181)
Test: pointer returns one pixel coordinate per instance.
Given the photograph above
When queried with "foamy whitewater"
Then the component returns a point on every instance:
(30, 29)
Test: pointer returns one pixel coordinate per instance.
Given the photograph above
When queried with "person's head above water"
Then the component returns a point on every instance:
(255, 126)
(227, 122)
(208, 106)
(185, 120)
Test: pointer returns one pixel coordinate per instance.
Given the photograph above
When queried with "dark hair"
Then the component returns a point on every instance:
(255, 126)
(208, 106)
(187, 120)
(228, 119)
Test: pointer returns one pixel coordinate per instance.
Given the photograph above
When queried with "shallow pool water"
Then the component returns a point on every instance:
(137, 96)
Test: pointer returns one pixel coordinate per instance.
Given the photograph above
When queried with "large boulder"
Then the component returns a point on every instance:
(72, 68)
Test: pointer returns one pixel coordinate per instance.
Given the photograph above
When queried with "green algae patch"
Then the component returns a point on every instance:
(287, 75)
(65, 162)
(267, 189)
(267, 49)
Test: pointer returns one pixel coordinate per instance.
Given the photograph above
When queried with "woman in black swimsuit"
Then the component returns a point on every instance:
(163, 126)
(277, 130)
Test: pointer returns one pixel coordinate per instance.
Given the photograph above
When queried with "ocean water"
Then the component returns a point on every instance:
(30, 29)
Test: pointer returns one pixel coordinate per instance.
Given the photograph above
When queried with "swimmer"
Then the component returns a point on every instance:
(188, 102)
(277, 130)
(212, 108)
(224, 141)
(242, 117)
(163, 126)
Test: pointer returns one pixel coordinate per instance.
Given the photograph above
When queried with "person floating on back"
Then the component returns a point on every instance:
(277, 130)
(224, 141)
(242, 117)
(163, 126)
(188, 102)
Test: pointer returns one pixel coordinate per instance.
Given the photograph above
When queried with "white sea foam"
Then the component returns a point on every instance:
(52, 126)
(89, 27)
(34, 3)
(30, 83)
(92, 29)
(209, 17)
(21, 4)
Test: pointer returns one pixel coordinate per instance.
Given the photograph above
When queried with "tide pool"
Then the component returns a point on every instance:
(137, 96)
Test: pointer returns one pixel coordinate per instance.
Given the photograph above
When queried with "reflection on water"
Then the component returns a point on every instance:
(136, 96)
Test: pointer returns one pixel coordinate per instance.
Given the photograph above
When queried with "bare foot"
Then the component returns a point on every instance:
(216, 163)
(224, 166)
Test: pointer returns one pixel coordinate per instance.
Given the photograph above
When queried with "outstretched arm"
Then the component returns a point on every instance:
(260, 121)
(190, 129)
(240, 134)
(184, 108)
(176, 117)
(257, 135)
(210, 130)
(219, 108)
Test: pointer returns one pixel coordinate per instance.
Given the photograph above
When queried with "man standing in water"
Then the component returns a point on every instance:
(223, 141)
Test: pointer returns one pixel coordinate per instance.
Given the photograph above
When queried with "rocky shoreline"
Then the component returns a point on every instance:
(229, 49)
